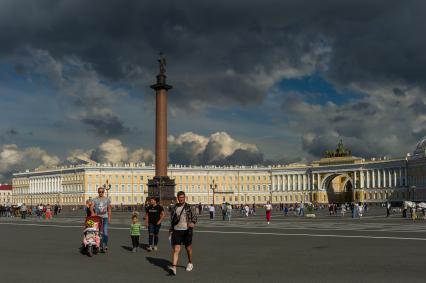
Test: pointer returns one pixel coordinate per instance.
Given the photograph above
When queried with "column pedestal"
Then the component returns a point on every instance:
(163, 188)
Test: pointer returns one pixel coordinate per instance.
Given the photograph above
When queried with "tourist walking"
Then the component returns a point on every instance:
(268, 208)
(343, 209)
(388, 207)
(153, 218)
(211, 211)
(285, 210)
(48, 212)
(182, 223)
(135, 232)
(360, 210)
(228, 211)
(23, 210)
(200, 208)
(223, 208)
(247, 210)
(101, 206)
(302, 209)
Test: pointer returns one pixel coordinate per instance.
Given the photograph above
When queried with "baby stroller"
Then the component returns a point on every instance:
(92, 235)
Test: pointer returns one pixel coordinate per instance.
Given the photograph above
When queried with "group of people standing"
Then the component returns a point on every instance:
(22, 210)
(182, 222)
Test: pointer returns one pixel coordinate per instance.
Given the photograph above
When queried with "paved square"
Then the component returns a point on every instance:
(290, 249)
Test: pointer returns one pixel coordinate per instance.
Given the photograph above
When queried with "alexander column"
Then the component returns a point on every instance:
(161, 185)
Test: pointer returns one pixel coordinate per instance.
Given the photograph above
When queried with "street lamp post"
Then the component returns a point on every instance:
(413, 188)
(213, 187)
(107, 187)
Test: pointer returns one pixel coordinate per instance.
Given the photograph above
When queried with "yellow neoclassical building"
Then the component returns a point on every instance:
(338, 177)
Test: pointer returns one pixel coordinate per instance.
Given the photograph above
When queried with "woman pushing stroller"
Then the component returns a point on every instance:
(101, 206)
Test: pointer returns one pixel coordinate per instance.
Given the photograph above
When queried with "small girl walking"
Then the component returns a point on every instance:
(135, 232)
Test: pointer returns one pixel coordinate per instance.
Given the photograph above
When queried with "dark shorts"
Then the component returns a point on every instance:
(182, 237)
(153, 229)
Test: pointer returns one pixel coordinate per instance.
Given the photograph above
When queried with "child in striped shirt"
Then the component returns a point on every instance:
(135, 232)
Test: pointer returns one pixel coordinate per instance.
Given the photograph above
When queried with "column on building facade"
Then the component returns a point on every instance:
(368, 185)
(355, 179)
(373, 179)
(391, 180)
(379, 179)
(400, 176)
(308, 176)
(293, 182)
(361, 178)
(385, 179)
(405, 176)
(319, 181)
(288, 182)
(298, 177)
(305, 183)
(273, 182)
(394, 178)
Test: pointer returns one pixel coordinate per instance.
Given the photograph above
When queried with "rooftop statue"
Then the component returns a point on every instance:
(339, 152)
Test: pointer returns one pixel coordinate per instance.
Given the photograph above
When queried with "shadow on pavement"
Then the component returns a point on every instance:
(127, 248)
(160, 262)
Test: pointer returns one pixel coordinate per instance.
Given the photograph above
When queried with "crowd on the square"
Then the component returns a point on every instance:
(22, 210)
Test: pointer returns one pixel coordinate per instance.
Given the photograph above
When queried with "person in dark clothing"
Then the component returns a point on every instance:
(153, 218)
(200, 208)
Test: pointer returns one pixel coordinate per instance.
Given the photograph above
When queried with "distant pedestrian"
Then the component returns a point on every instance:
(211, 211)
(247, 210)
(200, 208)
(223, 208)
(302, 209)
(228, 211)
(268, 208)
(48, 212)
(342, 209)
(388, 207)
(360, 210)
(153, 218)
(135, 232)
(23, 210)
(285, 210)
(182, 223)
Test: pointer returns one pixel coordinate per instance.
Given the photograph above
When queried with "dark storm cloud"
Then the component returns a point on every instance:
(399, 92)
(226, 51)
(107, 125)
(12, 132)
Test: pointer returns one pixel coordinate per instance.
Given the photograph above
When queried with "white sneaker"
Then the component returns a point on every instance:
(189, 267)
(268, 222)
(155, 248)
(172, 269)
(149, 248)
